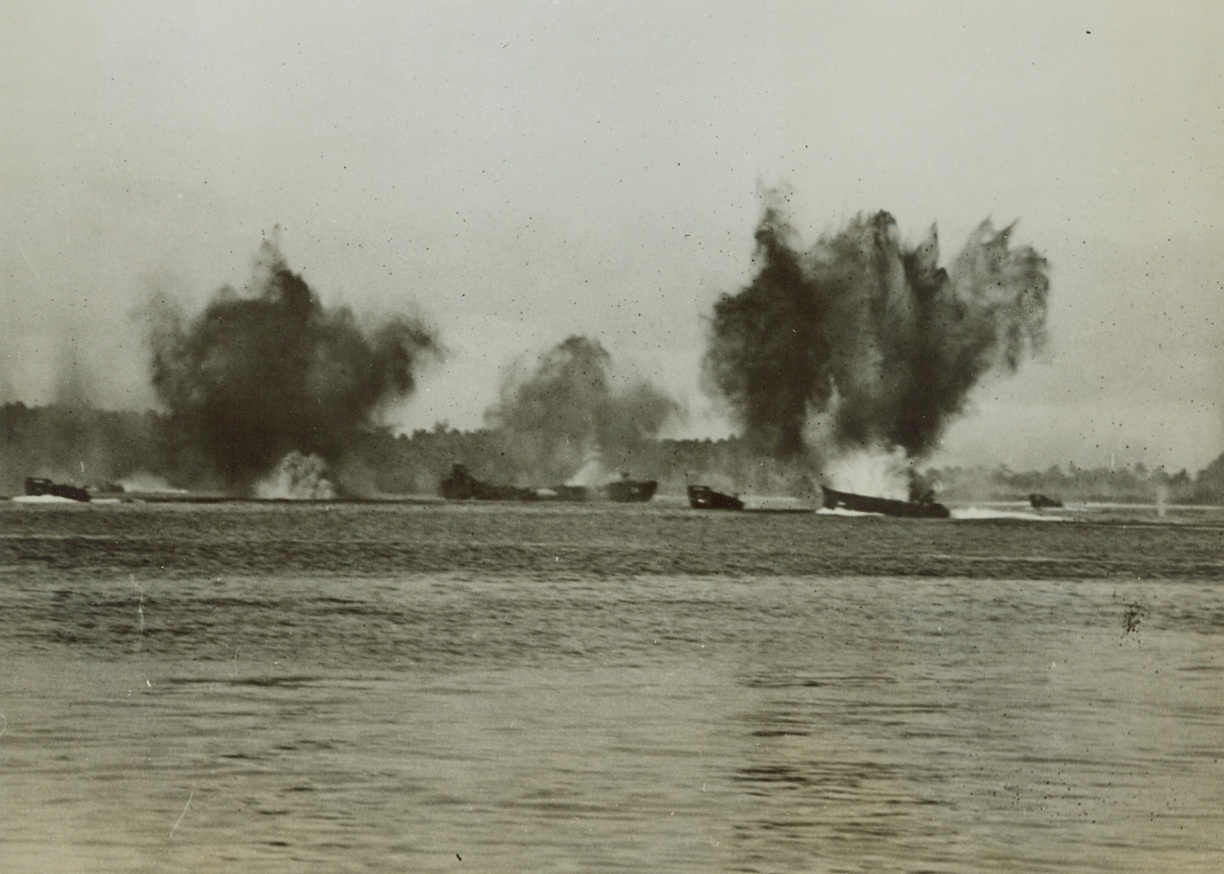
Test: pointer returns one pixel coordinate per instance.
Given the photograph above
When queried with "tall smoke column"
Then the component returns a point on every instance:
(860, 343)
(572, 401)
(255, 377)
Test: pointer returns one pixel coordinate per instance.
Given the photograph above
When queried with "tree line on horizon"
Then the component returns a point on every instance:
(137, 451)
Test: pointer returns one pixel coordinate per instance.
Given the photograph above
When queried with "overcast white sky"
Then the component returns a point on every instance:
(521, 171)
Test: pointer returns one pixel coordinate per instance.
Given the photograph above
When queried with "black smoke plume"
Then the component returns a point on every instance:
(257, 376)
(572, 402)
(862, 343)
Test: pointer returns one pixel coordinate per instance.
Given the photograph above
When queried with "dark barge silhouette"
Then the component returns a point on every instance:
(705, 498)
(923, 508)
(36, 486)
(461, 485)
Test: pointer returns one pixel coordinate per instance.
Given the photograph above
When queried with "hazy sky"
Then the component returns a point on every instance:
(522, 171)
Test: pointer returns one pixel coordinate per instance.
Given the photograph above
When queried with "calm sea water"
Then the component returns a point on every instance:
(456, 688)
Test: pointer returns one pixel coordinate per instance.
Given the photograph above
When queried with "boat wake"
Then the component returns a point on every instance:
(989, 513)
(842, 511)
(42, 499)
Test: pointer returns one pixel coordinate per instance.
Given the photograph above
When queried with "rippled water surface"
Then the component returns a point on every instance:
(275, 688)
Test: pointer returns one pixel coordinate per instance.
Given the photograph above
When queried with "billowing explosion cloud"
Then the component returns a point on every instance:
(861, 344)
(571, 402)
(255, 377)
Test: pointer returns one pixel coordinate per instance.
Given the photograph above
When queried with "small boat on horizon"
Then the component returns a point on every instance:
(36, 486)
(627, 491)
(705, 498)
(461, 485)
(924, 508)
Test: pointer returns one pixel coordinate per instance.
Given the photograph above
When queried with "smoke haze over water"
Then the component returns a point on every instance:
(259, 375)
(862, 344)
(572, 402)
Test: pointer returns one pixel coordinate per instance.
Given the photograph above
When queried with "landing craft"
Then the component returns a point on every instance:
(629, 491)
(461, 485)
(923, 508)
(37, 486)
(705, 498)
